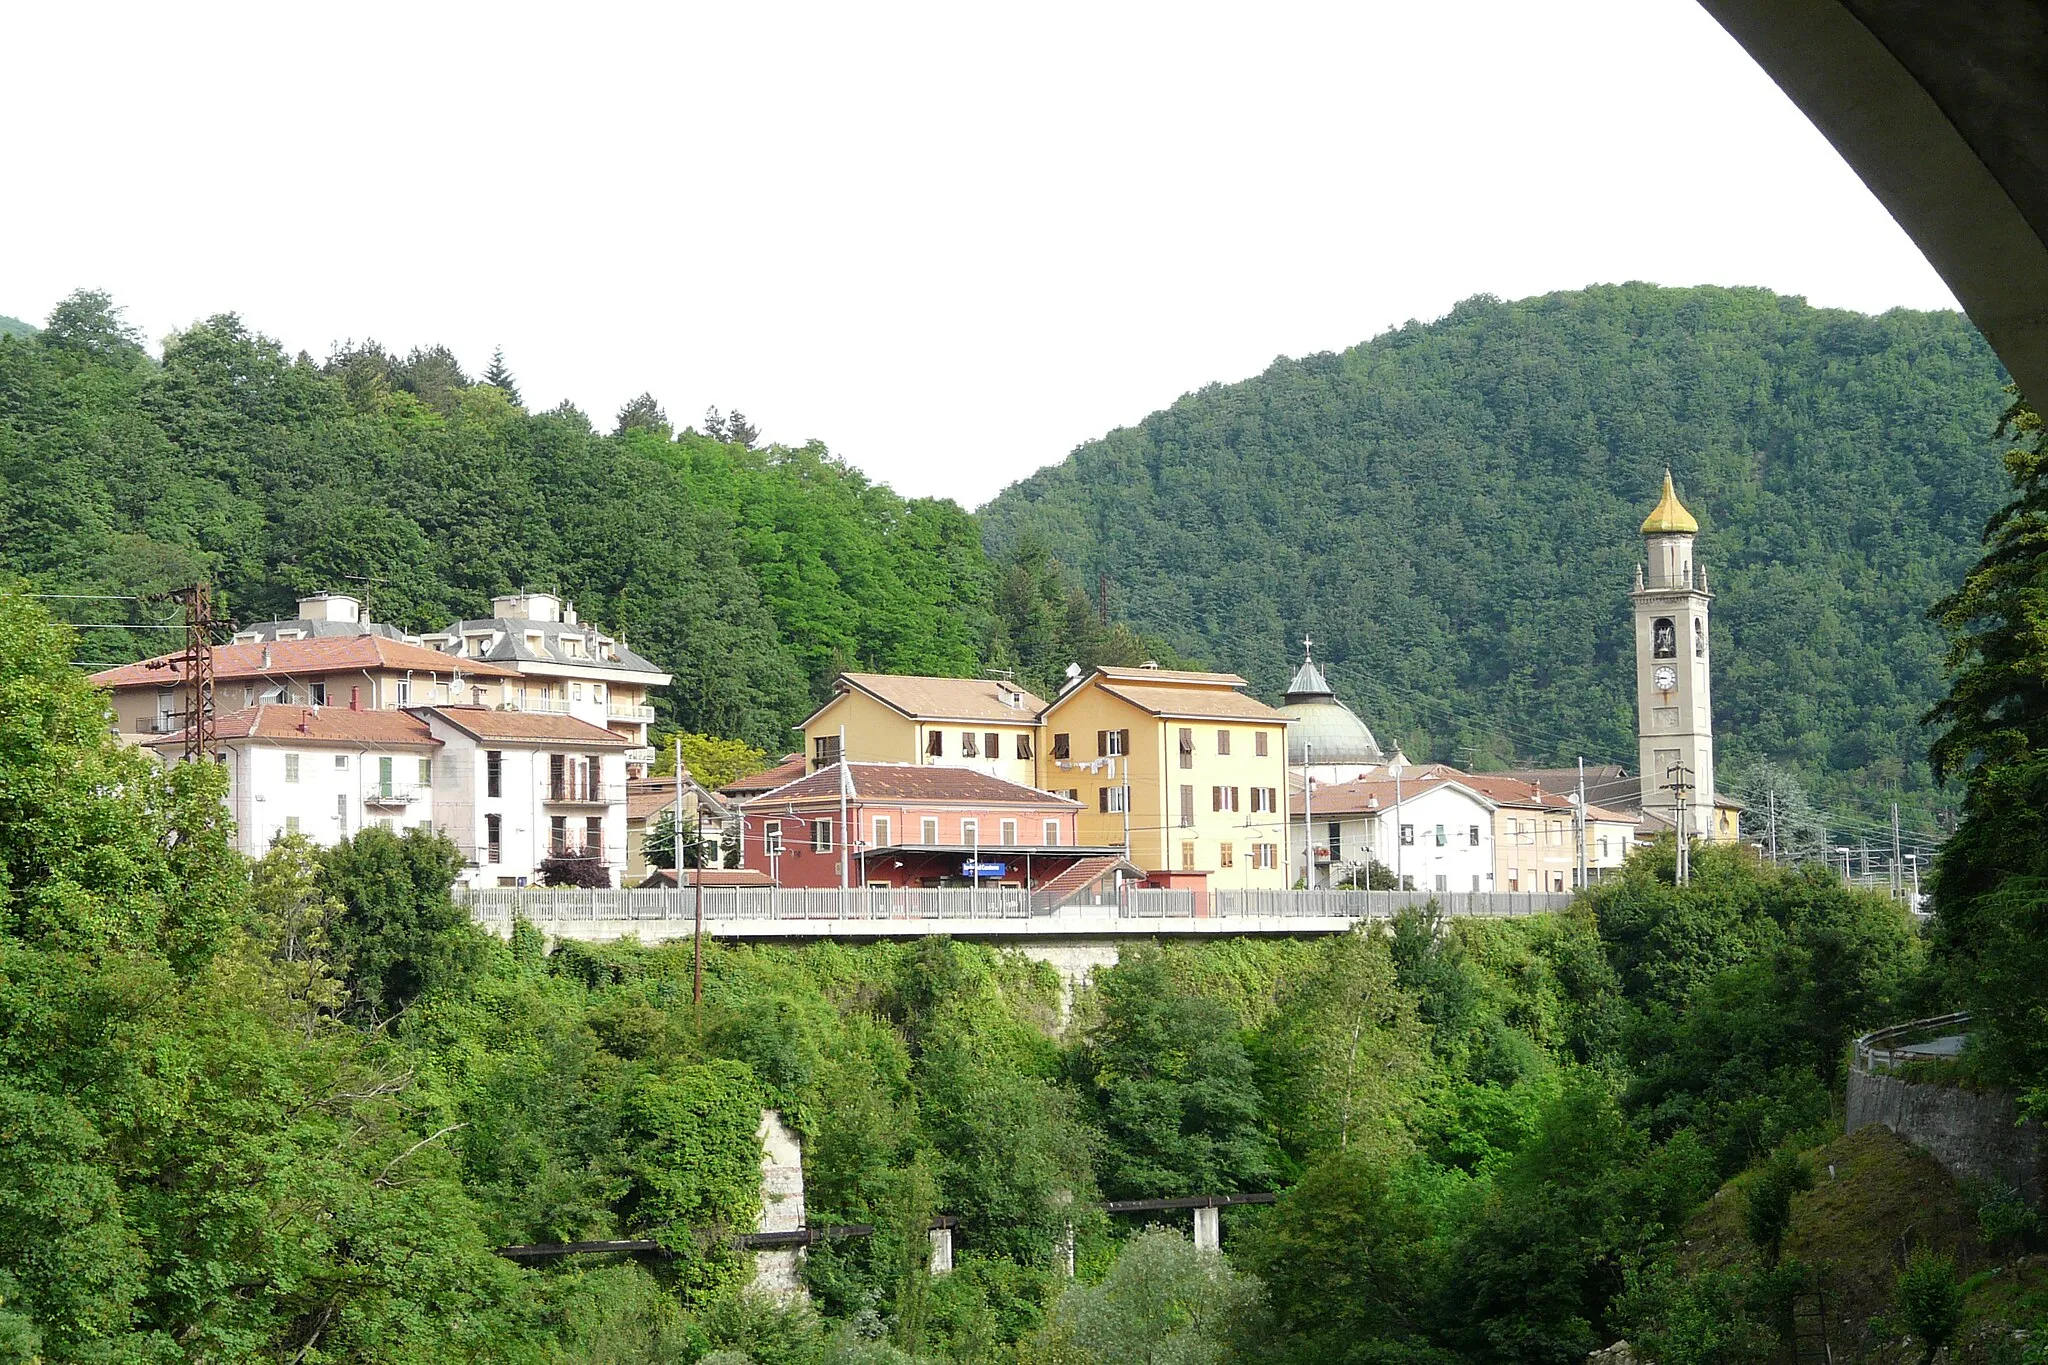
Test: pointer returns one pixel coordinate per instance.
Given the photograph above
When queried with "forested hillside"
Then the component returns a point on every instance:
(754, 575)
(1451, 510)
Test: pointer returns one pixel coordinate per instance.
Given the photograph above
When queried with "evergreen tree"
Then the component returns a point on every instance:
(1990, 881)
(714, 425)
(501, 376)
(740, 432)
(642, 413)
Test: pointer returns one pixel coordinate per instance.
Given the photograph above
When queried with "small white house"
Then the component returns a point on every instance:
(326, 772)
(521, 787)
(1435, 833)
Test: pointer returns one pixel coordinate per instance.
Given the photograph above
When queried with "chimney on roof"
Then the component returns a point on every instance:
(331, 606)
(266, 656)
(355, 699)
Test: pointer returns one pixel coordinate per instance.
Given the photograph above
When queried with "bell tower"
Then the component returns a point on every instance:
(1674, 701)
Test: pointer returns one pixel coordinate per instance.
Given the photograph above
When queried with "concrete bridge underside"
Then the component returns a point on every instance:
(1940, 109)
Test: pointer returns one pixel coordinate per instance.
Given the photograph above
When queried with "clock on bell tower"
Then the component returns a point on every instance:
(1674, 700)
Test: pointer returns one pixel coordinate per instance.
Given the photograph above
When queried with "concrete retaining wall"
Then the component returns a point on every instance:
(1972, 1133)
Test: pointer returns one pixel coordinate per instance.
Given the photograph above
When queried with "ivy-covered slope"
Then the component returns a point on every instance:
(1451, 509)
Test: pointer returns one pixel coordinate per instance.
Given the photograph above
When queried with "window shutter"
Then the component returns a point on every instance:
(1123, 741)
(992, 744)
(1062, 746)
(1102, 799)
(1215, 798)
(1233, 799)
(1187, 740)
(1024, 746)
(935, 744)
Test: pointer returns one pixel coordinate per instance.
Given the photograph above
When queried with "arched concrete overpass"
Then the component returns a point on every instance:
(1942, 108)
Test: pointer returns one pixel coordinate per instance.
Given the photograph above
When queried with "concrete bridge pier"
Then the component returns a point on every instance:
(942, 1251)
(778, 1270)
(1074, 960)
(1209, 1229)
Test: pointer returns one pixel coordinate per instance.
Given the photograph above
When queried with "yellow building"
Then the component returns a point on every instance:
(984, 724)
(1193, 768)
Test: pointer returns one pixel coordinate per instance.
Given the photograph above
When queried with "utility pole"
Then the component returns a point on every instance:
(844, 833)
(200, 739)
(1898, 872)
(696, 938)
(1308, 817)
(1773, 797)
(1400, 881)
(1582, 822)
(1678, 786)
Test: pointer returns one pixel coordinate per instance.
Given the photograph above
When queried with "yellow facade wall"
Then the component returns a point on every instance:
(877, 733)
(1159, 841)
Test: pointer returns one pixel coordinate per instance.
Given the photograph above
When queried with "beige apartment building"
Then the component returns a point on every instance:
(1185, 766)
(986, 725)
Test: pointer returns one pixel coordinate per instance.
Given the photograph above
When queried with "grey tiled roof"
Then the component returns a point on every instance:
(510, 645)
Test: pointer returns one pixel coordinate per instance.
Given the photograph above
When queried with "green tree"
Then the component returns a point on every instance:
(292, 921)
(1164, 1301)
(1990, 882)
(1768, 1214)
(499, 374)
(713, 760)
(1929, 1302)
(399, 929)
(1168, 1075)
(642, 414)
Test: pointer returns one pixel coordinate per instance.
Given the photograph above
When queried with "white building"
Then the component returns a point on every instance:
(1434, 833)
(566, 666)
(520, 787)
(324, 772)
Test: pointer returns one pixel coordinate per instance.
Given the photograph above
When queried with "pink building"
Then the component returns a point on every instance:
(909, 825)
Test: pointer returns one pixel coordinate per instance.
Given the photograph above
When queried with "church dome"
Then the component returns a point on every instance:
(1669, 516)
(1324, 730)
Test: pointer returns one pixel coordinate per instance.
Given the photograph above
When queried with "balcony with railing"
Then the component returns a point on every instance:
(638, 712)
(573, 791)
(393, 794)
(538, 706)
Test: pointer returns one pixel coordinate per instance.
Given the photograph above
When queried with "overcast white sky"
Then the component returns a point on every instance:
(951, 241)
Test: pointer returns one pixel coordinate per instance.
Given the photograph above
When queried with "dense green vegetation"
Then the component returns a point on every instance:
(1451, 510)
(753, 575)
(1991, 882)
(13, 327)
(286, 1112)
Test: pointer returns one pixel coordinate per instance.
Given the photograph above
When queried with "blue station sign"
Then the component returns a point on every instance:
(971, 868)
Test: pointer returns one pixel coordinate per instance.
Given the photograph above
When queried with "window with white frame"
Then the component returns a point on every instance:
(1009, 829)
(771, 837)
(821, 836)
(928, 831)
(1052, 834)
(970, 832)
(291, 767)
(882, 831)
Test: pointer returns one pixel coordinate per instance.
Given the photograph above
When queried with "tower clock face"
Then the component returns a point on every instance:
(1667, 677)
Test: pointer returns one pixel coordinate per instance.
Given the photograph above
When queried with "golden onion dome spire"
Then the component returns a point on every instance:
(1670, 517)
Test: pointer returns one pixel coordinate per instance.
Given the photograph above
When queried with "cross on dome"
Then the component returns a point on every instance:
(1308, 646)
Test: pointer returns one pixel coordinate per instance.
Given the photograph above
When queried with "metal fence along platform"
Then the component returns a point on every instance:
(656, 914)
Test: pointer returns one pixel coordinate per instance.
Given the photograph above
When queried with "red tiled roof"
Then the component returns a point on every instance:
(315, 725)
(294, 658)
(916, 782)
(527, 727)
(945, 698)
(710, 876)
(1218, 703)
(1169, 675)
(1358, 795)
(791, 768)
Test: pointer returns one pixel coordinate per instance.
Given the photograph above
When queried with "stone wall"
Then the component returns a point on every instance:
(778, 1271)
(1972, 1133)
